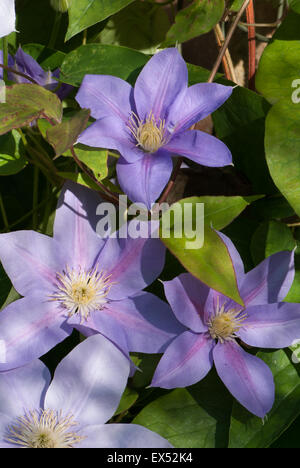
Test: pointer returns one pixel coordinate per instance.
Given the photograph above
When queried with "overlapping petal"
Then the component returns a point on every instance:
(112, 133)
(187, 296)
(89, 382)
(23, 389)
(186, 361)
(131, 263)
(147, 321)
(144, 180)
(121, 436)
(197, 102)
(270, 281)
(271, 325)
(31, 261)
(247, 377)
(161, 81)
(29, 328)
(76, 212)
(201, 148)
(106, 96)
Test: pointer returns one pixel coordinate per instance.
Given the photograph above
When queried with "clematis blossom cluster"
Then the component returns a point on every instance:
(216, 326)
(24, 63)
(71, 410)
(150, 123)
(79, 280)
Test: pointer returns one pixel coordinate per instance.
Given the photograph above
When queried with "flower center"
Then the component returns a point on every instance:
(82, 292)
(43, 429)
(223, 325)
(149, 134)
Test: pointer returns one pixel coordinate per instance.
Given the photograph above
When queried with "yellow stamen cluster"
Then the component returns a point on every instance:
(81, 292)
(43, 429)
(149, 134)
(223, 325)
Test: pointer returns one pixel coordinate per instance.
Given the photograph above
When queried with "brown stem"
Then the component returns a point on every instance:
(12, 70)
(110, 196)
(227, 40)
(251, 46)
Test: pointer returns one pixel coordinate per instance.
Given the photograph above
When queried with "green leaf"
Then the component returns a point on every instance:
(65, 135)
(100, 59)
(279, 65)
(269, 238)
(196, 19)
(86, 13)
(282, 144)
(220, 211)
(240, 123)
(211, 263)
(249, 431)
(236, 5)
(25, 103)
(5, 286)
(128, 399)
(142, 26)
(47, 58)
(94, 158)
(192, 417)
(12, 158)
(295, 5)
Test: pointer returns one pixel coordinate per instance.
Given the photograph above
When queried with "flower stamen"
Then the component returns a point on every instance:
(149, 134)
(224, 324)
(43, 429)
(82, 292)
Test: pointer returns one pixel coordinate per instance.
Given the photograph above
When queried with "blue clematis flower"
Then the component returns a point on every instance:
(150, 123)
(71, 411)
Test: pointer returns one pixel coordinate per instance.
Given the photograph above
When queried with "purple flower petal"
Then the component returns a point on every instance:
(187, 296)
(160, 82)
(29, 66)
(23, 389)
(132, 263)
(197, 102)
(200, 147)
(247, 377)
(106, 96)
(271, 325)
(103, 322)
(121, 436)
(147, 321)
(186, 361)
(144, 180)
(76, 212)
(89, 382)
(270, 281)
(112, 133)
(235, 257)
(29, 328)
(31, 260)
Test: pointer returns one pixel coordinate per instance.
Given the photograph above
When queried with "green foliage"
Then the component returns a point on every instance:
(86, 13)
(142, 26)
(196, 19)
(12, 157)
(197, 416)
(210, 262)
(65, 135)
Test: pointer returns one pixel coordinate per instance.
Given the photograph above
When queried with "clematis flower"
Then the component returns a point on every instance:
(71, 411)
(26, 64)
(7, 17)
(150, 123)
(216, 324)
(77, 279)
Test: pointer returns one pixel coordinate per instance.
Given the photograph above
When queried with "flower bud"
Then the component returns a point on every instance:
(61, 5)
